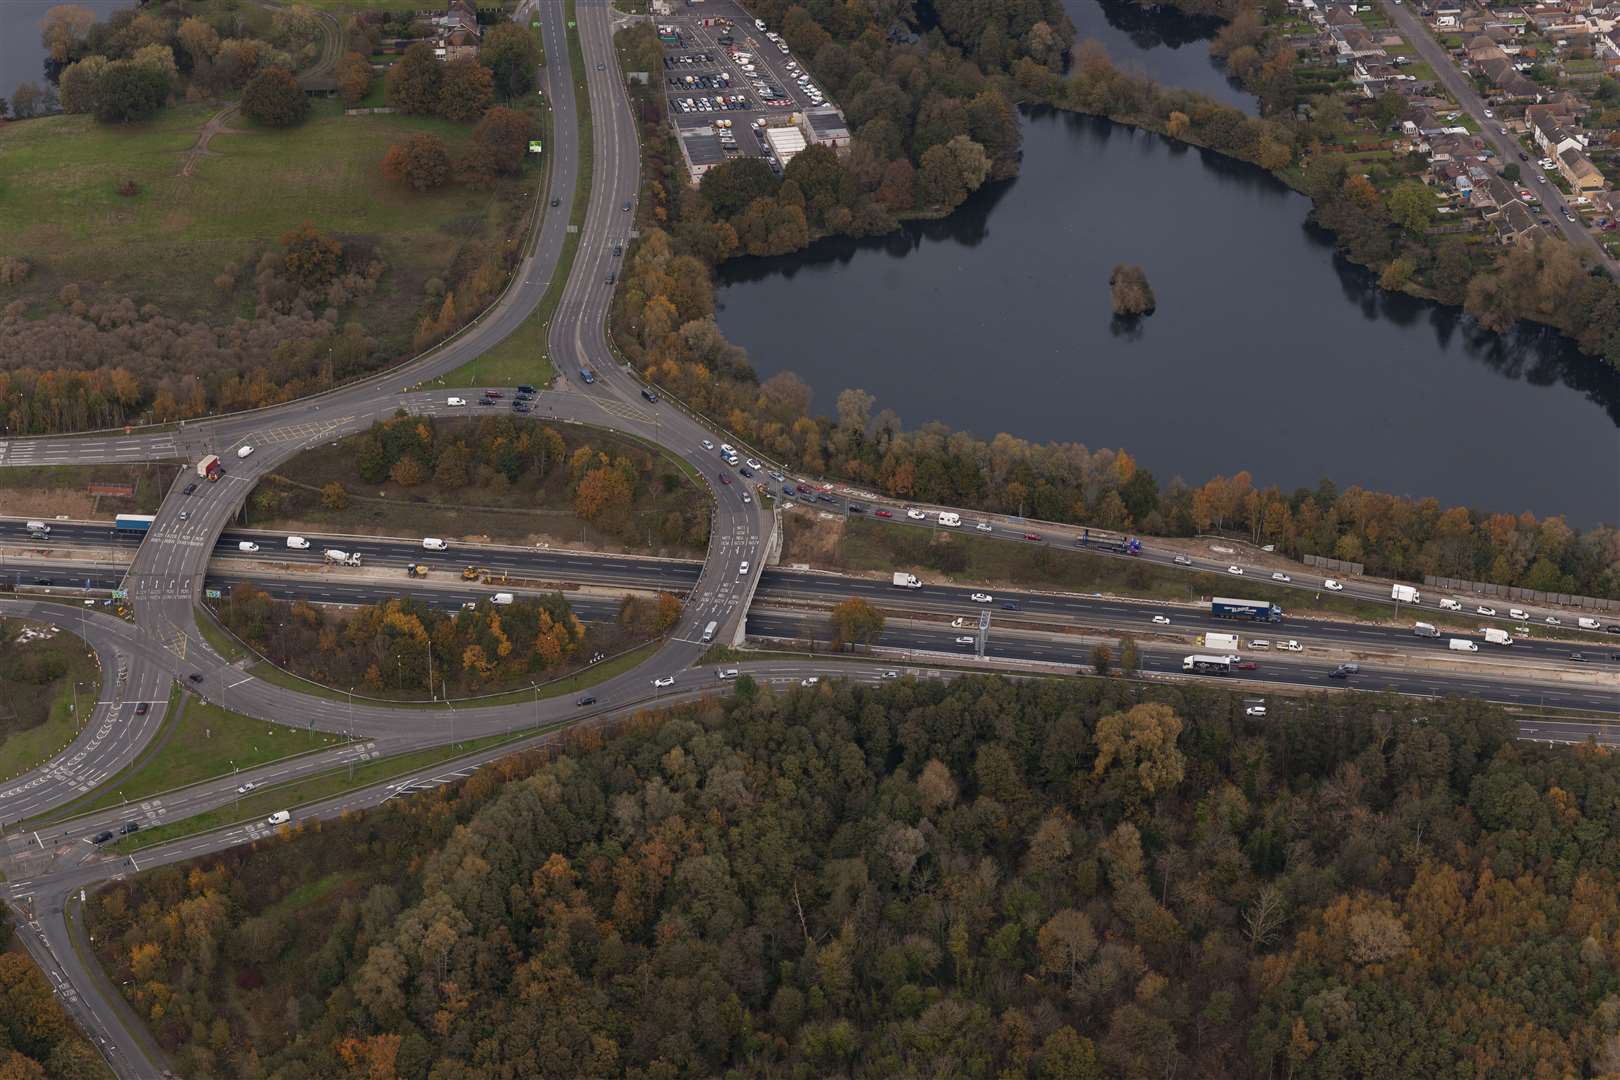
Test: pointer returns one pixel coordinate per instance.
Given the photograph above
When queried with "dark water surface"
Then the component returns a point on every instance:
(22, 57)
(1170, 48)
(1268, 351)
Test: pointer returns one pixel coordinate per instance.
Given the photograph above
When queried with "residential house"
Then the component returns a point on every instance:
(1553, 137)
(1578, 169)
(457, 33)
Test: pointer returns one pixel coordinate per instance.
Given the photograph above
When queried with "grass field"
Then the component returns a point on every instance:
(60, 210)
(965, 559)
(48, 490)
(38, 719)
(199, 741)
(524, 356)
(295, 793)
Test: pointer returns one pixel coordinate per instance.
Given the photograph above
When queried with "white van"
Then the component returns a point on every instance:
(297, 543)
(38, 527)
(1518, 613)
(501, 598)
(244, 451)
(1587, 624)
(1450, 604)
(246, 545)
(708, 632)
(759, 24)
(1463, 645)
(280, 817)
(433, 543)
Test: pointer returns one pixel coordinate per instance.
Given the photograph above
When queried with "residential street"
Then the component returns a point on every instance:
(1462, 88)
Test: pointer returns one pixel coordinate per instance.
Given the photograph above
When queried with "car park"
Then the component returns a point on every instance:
(1161, 620)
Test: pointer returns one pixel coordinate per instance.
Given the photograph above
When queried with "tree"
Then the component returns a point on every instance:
(312, 259)
(27, 101)
(951, 172)
(511, 54)
(199, 40)
(856, 622)
(421, 161)
(1132, 295)
(603, 498)
(334, 496)
(1388, 108)
(78, 82)
(505, 134)
(1130, 660)
(274, 98)
(466, 89)
(1065, 942)
(732, 186)
(1102, 660)
(64, 29)
(1143, 741)
(354, 78)
(413, 82)
(1412, 206)
(128, 92)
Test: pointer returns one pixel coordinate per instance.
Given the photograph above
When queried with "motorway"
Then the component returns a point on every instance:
(1461, 88)
(169, 570)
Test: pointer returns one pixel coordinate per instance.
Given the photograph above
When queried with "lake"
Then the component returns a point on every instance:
(1170, 48)
(22, 57)
(1268, 351)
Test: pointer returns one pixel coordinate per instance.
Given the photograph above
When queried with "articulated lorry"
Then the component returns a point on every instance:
(1119, 545)
(1224, 607)
(906, 581)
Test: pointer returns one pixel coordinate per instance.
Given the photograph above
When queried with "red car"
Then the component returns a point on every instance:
(724, 479)
(493, 394)
(1246, 665)
(1032, 538)
(884, 513)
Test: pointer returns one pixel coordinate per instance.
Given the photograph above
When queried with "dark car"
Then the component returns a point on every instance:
(618, 249)
(520, 406)
(1612, 628)
(745, 470)
(1577, 657)
(787, 489)
(627, 206)
(128, 827)
(525, 388)
(588, 699)
(101, 837)
(1523, 156)
(1011, 605)
(555, 200)
(194, 677)
(486, 401)
(141, 708)
(611, 278)
(587, 375)
(1246, 665)
(189, 488)
(650, 395)
(856, 508)
(493, 394)
(724, 479)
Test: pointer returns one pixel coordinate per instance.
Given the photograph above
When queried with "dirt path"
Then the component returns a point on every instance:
(199, 149)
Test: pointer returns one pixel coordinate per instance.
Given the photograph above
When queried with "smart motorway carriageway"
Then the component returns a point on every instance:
(563, 567)
(1409, 664)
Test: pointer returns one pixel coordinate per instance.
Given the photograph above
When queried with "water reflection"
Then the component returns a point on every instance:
(1161, 43)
